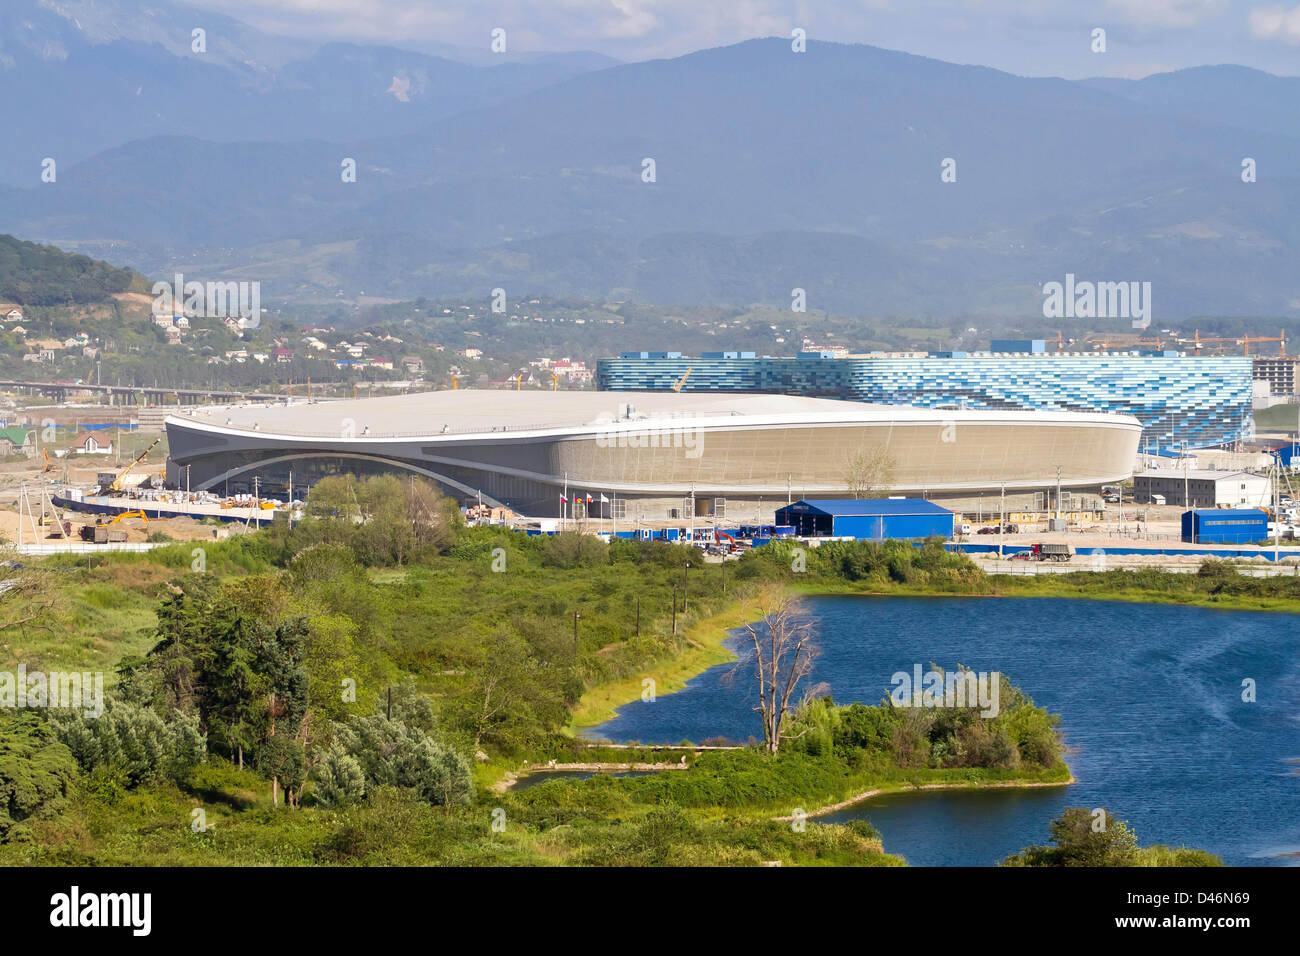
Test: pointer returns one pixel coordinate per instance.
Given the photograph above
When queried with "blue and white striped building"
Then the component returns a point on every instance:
(1180, 400)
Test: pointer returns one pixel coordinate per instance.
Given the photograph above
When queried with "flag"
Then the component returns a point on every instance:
(563, 500)
(603, 499)
(590, 499)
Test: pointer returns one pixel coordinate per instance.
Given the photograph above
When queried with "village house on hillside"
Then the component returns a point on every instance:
(91, 443)
(17, 440)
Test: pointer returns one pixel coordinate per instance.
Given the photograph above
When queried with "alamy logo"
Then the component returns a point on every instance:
(56, 689)
(665, 433)
(241, 301)
(934, 688)
(74, 908)
(1098, 300)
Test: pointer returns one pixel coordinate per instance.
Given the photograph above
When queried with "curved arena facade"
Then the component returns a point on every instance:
(652, 455)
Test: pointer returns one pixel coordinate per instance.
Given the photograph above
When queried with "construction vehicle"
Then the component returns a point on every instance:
(1046, 552)
(555, 382)
(121, 515)
(101, 533)
(726, 543)
(49, 465)
(62, 528)
(677, 386)
(117, 485)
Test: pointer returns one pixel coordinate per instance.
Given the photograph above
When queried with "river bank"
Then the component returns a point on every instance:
(706, 639)
(876, 791)
(704, 649)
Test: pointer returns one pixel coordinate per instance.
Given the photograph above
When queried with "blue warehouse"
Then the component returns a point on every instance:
(1225, 526)
(872, 519)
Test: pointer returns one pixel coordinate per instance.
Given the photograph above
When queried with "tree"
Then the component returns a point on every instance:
(782, 647)
(334, 496)
(26, 597)
(283, 759)
(504, 691)
(36, 770)
(1082, 838)
(133, 739)
(868, 470)
(338, 778)
(392, 752)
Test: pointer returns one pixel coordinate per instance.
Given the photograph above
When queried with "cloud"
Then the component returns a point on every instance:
(632, 23)
(1168, 13)
(1276, 23)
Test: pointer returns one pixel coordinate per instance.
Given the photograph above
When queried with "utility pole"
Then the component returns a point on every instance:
(685, 580)
(674, 610)
(1002, 514)
(1059, 513)
(576, 615)
(1277, 518)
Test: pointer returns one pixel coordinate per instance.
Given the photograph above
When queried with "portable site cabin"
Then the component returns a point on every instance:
(872, 519)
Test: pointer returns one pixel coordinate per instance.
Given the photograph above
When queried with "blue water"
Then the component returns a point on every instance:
(1150, 705)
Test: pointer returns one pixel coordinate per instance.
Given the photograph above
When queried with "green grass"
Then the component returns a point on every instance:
(432, 620)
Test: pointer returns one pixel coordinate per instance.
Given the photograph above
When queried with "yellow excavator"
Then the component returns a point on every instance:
(49, 465)
(121, 515)
(677, 386)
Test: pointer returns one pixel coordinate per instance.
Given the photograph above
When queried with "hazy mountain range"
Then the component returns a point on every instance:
(773, 170)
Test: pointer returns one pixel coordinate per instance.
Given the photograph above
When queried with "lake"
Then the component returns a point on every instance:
(1150, 698)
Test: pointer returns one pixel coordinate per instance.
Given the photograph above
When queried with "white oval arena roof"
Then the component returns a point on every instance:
(476, 412)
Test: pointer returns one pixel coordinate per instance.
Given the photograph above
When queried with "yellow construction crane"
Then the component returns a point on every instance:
(455, 383)
(1279, 339)
(555, 382)
(117, 482)
(677, 387)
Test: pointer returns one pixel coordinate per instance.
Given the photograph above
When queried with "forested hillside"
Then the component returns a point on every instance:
(32, 274)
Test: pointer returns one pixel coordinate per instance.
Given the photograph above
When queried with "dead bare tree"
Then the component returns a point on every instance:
(26, 598)
(783, 647)
(868, 470)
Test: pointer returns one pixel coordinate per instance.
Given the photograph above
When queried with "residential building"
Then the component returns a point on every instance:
(17, 440)
(92, 443)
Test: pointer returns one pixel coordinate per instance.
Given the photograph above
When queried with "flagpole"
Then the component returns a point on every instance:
(564, 504)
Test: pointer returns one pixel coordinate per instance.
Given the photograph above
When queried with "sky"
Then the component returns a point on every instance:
(1027, 37)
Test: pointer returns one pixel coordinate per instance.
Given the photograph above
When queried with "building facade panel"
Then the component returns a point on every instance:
(1187, 401)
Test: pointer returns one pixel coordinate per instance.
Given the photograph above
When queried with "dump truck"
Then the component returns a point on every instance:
(1050, 552)
(101, 533)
